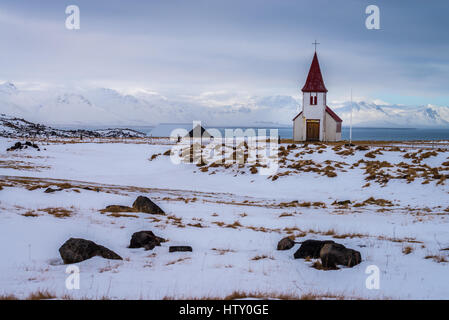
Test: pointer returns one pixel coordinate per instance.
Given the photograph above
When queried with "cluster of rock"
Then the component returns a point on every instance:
(330, 252)
(19, 146)
(76, 250)
(11, 127)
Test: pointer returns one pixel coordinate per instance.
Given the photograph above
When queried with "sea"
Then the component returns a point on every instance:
(358, 133)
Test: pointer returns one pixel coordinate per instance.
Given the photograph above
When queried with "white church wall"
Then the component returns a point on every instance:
(331, 129)
(298, 129)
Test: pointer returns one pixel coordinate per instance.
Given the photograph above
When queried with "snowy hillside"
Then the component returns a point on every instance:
(389, 203)
(16, 127)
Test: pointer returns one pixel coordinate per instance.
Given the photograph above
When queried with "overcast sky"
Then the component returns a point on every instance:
(255, 46)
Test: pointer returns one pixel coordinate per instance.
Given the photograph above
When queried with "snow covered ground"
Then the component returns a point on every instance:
(233, 219)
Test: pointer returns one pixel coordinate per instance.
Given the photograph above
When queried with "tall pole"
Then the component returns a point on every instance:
(350, 123)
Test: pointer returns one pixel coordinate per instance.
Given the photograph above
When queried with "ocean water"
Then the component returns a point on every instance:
(388, 134)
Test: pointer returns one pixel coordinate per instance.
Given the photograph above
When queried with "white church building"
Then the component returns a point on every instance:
(316, 121)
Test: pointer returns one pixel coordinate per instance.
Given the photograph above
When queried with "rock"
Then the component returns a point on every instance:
(333, 254)
(77, 250)
(342, 203)
(286, 244)
(145, 239)
(311, 249)
(16, 146)
(50, 190)
(180, 249)
(144, 204)
(20, 146)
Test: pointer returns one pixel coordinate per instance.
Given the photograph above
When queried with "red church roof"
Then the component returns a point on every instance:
(314, 82)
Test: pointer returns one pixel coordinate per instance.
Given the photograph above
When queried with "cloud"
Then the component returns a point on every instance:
(252, 47)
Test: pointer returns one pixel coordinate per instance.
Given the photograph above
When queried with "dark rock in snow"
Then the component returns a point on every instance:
(311, 249)
(180, 249)
(145, 239)
(333, 254)
(342, 203)
(144, 204)
(20, 146)
(50, 190)
(77, 250)
(286, 244)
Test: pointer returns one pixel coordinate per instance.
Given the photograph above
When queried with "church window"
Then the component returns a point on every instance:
(313, 99)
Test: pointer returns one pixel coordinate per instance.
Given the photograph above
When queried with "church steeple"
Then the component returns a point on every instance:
(314, 82)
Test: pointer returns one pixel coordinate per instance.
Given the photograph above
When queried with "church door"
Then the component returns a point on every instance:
(313, 130)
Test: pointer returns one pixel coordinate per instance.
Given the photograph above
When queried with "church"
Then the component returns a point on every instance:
(316, 121)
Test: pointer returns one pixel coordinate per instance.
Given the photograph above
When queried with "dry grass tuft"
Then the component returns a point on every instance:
(257, 258)
(436, 258)
(407, 250)
(122, 215)
(177, 261)
(30, 213)
(41, 295)
(58, 212)
(8, 297)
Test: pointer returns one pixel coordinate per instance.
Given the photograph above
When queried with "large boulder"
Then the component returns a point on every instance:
(144, 204)
(310, 249)
(333, 254)
(77, 250)
(145, 239)
(286, 244)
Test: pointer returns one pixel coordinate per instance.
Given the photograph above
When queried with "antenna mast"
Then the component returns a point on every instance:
(350, 124)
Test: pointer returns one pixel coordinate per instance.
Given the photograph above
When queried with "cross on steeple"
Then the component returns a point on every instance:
(315, 43)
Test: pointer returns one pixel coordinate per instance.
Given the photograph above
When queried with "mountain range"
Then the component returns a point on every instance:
(108, 107)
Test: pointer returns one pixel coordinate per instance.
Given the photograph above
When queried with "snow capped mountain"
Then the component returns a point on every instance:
(105, 106)
(374, 115)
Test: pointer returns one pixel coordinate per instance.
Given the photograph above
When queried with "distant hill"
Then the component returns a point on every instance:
(12, 127)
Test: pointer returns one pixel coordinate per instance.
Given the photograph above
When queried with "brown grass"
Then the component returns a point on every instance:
(8, 297)
(30, 213)
(41, 295)
(58, 212)
(177, 261)
(262, 257)
(122, 215)
(117, 209)
(407, 250)
(436, 258)
(237, 295)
